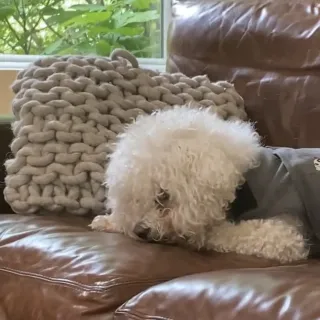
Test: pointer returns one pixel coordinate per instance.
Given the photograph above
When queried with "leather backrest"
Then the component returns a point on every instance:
(268, 49)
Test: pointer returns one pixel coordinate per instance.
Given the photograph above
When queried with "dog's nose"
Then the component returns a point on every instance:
(141, 231)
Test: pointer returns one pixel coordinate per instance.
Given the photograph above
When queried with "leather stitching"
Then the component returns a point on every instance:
(77, 285)
(138, 315)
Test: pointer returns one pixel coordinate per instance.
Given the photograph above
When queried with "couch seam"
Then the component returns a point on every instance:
(206, 60)
(138, 315)
(77, 285)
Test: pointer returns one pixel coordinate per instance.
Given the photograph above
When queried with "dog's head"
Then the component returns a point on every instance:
(174, 173)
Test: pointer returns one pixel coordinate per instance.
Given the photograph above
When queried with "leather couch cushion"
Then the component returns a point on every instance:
(268, 49)
(284, 293)
(56, 268)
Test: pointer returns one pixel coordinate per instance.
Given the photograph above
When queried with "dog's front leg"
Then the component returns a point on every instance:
(104, 223)
(276, 239)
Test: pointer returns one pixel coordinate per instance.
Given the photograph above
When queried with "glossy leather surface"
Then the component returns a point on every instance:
(284, 293)
(56, 268)
(268, 49)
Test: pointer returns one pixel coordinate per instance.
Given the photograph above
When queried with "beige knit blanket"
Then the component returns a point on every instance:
(67, 112)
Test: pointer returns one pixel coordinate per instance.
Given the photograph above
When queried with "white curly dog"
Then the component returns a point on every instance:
(175, 176)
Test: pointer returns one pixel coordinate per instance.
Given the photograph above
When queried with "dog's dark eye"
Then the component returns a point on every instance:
(161, 198)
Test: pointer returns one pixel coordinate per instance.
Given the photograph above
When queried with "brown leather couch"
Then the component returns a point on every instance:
(56, 268)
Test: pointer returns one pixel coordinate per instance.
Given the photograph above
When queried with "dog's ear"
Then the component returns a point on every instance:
(241, 144)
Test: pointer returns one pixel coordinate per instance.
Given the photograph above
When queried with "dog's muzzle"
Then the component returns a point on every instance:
(142, 232)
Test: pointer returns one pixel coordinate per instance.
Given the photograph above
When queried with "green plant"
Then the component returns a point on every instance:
(91, 27)
(23, 28)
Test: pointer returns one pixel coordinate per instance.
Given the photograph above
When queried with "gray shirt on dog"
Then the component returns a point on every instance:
(286, 181)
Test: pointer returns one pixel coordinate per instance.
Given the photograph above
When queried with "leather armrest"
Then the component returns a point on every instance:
(284, 293)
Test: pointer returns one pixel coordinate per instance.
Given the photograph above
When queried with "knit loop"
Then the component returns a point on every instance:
(121, 53)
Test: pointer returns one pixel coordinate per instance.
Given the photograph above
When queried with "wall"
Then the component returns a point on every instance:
(6, 79)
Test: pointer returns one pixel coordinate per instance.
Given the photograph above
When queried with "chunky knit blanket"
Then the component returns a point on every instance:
(68, 110)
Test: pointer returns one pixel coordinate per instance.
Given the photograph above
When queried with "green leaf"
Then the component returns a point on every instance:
(136, 17)
(140, 4)
(6, 11)
(63, 16)
(87, 18)
(48, 11)
(88, 7)
(96, 30)
(79, 48)
(54, 47)
(124, 31)
(83, 48)
(103, 48)
(148, 50)
(129, 31)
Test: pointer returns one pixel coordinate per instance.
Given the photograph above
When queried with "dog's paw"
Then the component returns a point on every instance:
(273, 239)
(102, 223)
(292, 253)
(287, 245)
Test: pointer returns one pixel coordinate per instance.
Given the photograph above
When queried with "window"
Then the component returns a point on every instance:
(32, 28)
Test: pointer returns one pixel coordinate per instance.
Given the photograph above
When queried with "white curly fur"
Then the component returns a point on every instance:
(176, 171)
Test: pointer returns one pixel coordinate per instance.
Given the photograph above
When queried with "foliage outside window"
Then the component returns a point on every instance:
(40, 27)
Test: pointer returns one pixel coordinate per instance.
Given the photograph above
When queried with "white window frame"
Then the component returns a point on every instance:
(18, 62)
